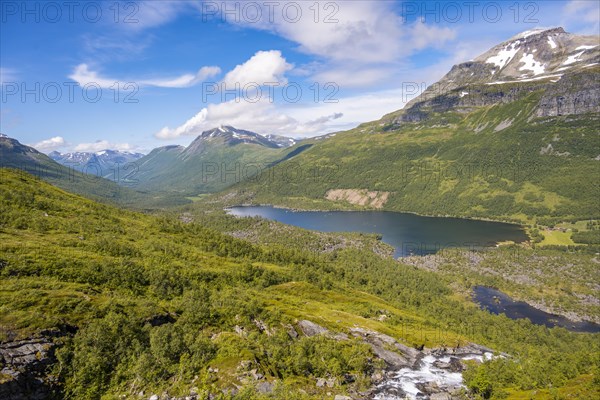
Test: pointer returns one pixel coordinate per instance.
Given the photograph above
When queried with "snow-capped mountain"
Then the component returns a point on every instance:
(100, 163)
(217, 158)
(281, 141)
(536, 55)
(560, 65)
(232, 136)
(540, 54)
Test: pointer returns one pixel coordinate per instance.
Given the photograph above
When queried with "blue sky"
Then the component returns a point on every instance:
(90, 75)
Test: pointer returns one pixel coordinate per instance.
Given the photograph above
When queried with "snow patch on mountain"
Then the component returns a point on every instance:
(505, 55)
(532, 65)
(552, 78)
(573, 58)
(531, 32)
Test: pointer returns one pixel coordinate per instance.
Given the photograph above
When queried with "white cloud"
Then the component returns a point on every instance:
(7, 75)
(83, 75)
(109, 48)
(297, 121)
(100, 145)
(360, 31)
(258, 116)
(582, 16)
(262, 117)
(353, 76)
(150, 14)
(589, 10)
(263, 68)
(50, 144)
(423, 35)
(358, 42)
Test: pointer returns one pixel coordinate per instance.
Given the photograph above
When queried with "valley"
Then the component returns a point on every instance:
(447, 250)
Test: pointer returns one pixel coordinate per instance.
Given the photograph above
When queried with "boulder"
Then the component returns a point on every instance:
(310, 328)
(25, 365)
(265, 387)
(395, 355)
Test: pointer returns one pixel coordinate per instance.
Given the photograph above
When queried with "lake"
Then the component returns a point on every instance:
(500, 303)
(409, 234)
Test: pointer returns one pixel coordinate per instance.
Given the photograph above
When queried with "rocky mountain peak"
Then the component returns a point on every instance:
(561, 64)
(230, 136)
(538, 54)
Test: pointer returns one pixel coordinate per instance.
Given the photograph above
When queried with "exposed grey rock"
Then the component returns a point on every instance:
(262, 327)
(440, 396)
(239, 330)
(291, 331)
(382, 345)
(26, 362)
(340, 397)
(256, 375)
(310, 328)
(572, 94)
(265, 387)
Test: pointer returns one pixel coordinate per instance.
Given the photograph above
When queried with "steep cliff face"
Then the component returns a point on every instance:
(563, 66)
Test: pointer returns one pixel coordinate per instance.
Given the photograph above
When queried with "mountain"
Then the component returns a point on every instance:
(511, 135)
(561, 64)
(232, 136)
(216, 159)
(106, 163)
(15, 155)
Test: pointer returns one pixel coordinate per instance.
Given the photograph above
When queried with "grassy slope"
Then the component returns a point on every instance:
(452, 164)
(68, 260)
(217, 166)
(29, 160)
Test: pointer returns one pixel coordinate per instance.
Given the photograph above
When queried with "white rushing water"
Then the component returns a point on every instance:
(408, 380)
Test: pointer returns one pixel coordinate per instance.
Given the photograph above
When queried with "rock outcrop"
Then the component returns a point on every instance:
(24, 367)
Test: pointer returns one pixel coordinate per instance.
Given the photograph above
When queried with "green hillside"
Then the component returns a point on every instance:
(217, 159)
(140, 303)
(497, 161)
(16, 155)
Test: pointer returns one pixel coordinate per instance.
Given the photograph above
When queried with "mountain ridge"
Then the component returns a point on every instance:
(101, 163)
(215, 159)
(548, 60)
(15, 155)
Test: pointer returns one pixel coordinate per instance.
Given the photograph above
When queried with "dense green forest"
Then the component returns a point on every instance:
(167, 303)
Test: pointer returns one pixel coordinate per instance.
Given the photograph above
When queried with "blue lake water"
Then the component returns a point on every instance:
(409, 234)
(497, 302)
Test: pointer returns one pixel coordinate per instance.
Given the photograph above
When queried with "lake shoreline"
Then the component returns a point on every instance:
(296, 209)
(497, 302)
(408, 233)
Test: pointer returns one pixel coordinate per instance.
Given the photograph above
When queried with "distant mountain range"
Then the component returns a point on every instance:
(511, 135)
(106, 163)
(15, 155)
(215, 160)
